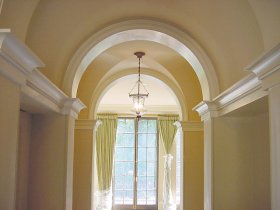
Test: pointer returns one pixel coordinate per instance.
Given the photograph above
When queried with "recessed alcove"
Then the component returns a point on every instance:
(242, 159)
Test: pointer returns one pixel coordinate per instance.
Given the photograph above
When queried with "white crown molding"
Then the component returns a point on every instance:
(20, 65)
(72, 107)
(85, 124)
(241, 93)
(267, 68)
(191, 126)
(266, 75)
(16, 60)
(17, 53)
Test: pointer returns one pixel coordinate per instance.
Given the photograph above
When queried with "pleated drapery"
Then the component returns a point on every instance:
(167, 130)
(105, 147)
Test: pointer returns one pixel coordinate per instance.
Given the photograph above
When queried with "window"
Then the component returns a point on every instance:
(135, 164)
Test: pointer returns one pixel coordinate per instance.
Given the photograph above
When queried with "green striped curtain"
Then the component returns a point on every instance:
(105, 147)
(167, 130)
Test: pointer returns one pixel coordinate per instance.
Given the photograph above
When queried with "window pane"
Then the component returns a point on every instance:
(142, 140)
(151, 183)
(141, 183)
(119, 168)
(151, 169)
(128, 168)
(118, 182)
(119, 154)
(141, 170)
(118, 196)
(142, 127)
(128, 183)
(119, 140)
(151, 154)
(128, 199)
(151, 197)
(152, 126)
(141, 197)
(128, 154)
(151, 140)
(142, 154)
(129, 140)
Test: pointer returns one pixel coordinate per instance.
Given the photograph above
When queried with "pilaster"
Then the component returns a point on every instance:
(207, 110)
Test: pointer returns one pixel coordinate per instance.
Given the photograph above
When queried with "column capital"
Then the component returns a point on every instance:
(206, 109)
(72, 107)
(267, 68)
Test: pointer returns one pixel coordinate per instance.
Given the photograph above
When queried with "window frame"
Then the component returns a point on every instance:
(135, 177)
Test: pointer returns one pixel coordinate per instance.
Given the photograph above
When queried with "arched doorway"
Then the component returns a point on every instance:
(112, 98)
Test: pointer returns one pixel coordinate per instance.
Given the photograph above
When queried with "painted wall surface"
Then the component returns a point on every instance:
(193, 170)
(48, 164)
(82, 169)
(9, 119)
(241, 163)
(23, 160)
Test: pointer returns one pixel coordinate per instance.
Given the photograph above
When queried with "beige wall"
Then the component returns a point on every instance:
(23, 161)
(49, 169)
(193, 170)
(9, 118)
(241, 163)
(82, 169)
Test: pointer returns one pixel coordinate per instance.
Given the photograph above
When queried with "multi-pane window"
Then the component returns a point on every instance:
(135, 165)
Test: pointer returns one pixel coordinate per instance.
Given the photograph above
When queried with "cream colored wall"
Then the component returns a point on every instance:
(49, 169)
(193, 170)
(82, 169)
(23, 161)
(241, 163)
(9, 119)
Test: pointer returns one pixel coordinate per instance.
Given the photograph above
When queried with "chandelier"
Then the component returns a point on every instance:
(138, 92)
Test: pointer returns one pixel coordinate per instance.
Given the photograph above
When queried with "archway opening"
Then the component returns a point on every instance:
(139, 30)
(147, 191)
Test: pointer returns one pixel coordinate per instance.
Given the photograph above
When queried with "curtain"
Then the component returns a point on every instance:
(105, 147)
(167, 130)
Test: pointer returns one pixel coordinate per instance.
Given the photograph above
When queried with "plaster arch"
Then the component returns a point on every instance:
(109, 81)
(148, 30)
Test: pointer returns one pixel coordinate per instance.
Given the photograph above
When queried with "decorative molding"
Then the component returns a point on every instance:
(85, 124)
(267, 63)
(20, 65)
(16, 60)
(72, 107)
(206, 109)
(192, 126)
(241, 93)
(17, 53)
(40, 83)
(267, 68)
(142, 29)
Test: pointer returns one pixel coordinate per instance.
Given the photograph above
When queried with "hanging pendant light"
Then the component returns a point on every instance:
(138, 92)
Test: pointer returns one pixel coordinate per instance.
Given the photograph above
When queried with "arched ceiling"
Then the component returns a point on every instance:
(179, 78)
(232, 33)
